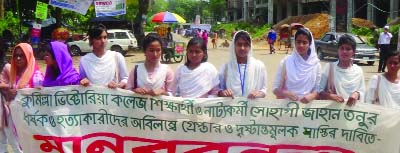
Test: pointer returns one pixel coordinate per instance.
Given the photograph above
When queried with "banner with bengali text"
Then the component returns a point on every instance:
(110, 7)
(77, 119)
(80, 6)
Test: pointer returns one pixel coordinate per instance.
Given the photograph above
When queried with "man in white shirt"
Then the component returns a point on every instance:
(384, 44)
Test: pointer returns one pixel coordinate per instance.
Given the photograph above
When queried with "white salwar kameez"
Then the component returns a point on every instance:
(161, 78)
(196, 83)
(252, 75)
(388, 92)
(302, 76)
(346, 81)
(102, 70)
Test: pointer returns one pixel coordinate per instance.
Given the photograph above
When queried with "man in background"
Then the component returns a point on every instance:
(271, 38)
(384, 44)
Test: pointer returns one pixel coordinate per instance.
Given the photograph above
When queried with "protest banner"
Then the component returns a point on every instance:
(77, 6)
(109, 7)
(76, 119)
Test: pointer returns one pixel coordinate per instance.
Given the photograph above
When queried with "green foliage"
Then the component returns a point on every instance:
(78, 22)
(373, 36)
(188, 9)
(217, 9)
(132, 8)
(158, 6)
(361, 31)
(394, 29)
(255, 31)
(11, 22)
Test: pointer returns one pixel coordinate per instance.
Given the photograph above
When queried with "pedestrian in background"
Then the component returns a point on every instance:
(384, 46)
(271, 38)
(204, 35)
(214, 39)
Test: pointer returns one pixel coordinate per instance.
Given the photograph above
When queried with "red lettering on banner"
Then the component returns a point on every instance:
(54, 143)
(104, 3)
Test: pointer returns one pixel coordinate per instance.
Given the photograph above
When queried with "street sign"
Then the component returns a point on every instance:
(41, 10)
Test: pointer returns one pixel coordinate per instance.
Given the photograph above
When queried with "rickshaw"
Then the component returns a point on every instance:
(173, 50)
(284, 38)
(170, 49)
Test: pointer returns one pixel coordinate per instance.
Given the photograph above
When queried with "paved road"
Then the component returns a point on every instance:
(220, 55)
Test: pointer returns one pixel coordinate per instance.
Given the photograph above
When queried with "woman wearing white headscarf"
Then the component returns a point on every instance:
(342, 79)
(243, 75)
(299, 74)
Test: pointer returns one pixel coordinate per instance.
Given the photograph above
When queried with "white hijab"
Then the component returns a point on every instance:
(301, 74)
(253, 71)
(100, 71)
(198, 82)
(158, 77)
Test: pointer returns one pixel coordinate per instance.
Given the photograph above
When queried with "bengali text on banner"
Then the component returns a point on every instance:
(77, 119)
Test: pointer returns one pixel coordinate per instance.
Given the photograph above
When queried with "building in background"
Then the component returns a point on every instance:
(273, 11)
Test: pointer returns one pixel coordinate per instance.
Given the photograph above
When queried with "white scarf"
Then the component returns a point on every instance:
(158, 77)
(348, 80)
(100, 71)
(253, 73)
(302, 74)
(196, 83)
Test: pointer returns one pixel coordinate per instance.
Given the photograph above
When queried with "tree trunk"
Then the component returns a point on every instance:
(138, 25)
(2, 9)
(58, 17)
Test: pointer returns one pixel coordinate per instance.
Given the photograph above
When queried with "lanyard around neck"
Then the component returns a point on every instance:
(244, 77)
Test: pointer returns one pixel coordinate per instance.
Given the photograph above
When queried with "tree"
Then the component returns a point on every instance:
(140, 20)
(188, 9)
(158, 6)
(217, 9)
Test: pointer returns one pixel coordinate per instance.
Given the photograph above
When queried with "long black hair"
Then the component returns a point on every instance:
(150, 38)
(242, 35)
(349, 40)
(197, 41)
(303, 31)
(96, 30)
(392, 54)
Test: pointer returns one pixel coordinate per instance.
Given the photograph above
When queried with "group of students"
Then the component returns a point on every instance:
(299, 77)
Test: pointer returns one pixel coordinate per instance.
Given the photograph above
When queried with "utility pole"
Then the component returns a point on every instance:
(332, 17)
(349, 15)
(270, 11)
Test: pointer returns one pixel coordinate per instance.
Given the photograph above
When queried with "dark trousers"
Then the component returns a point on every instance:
(384, 50)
